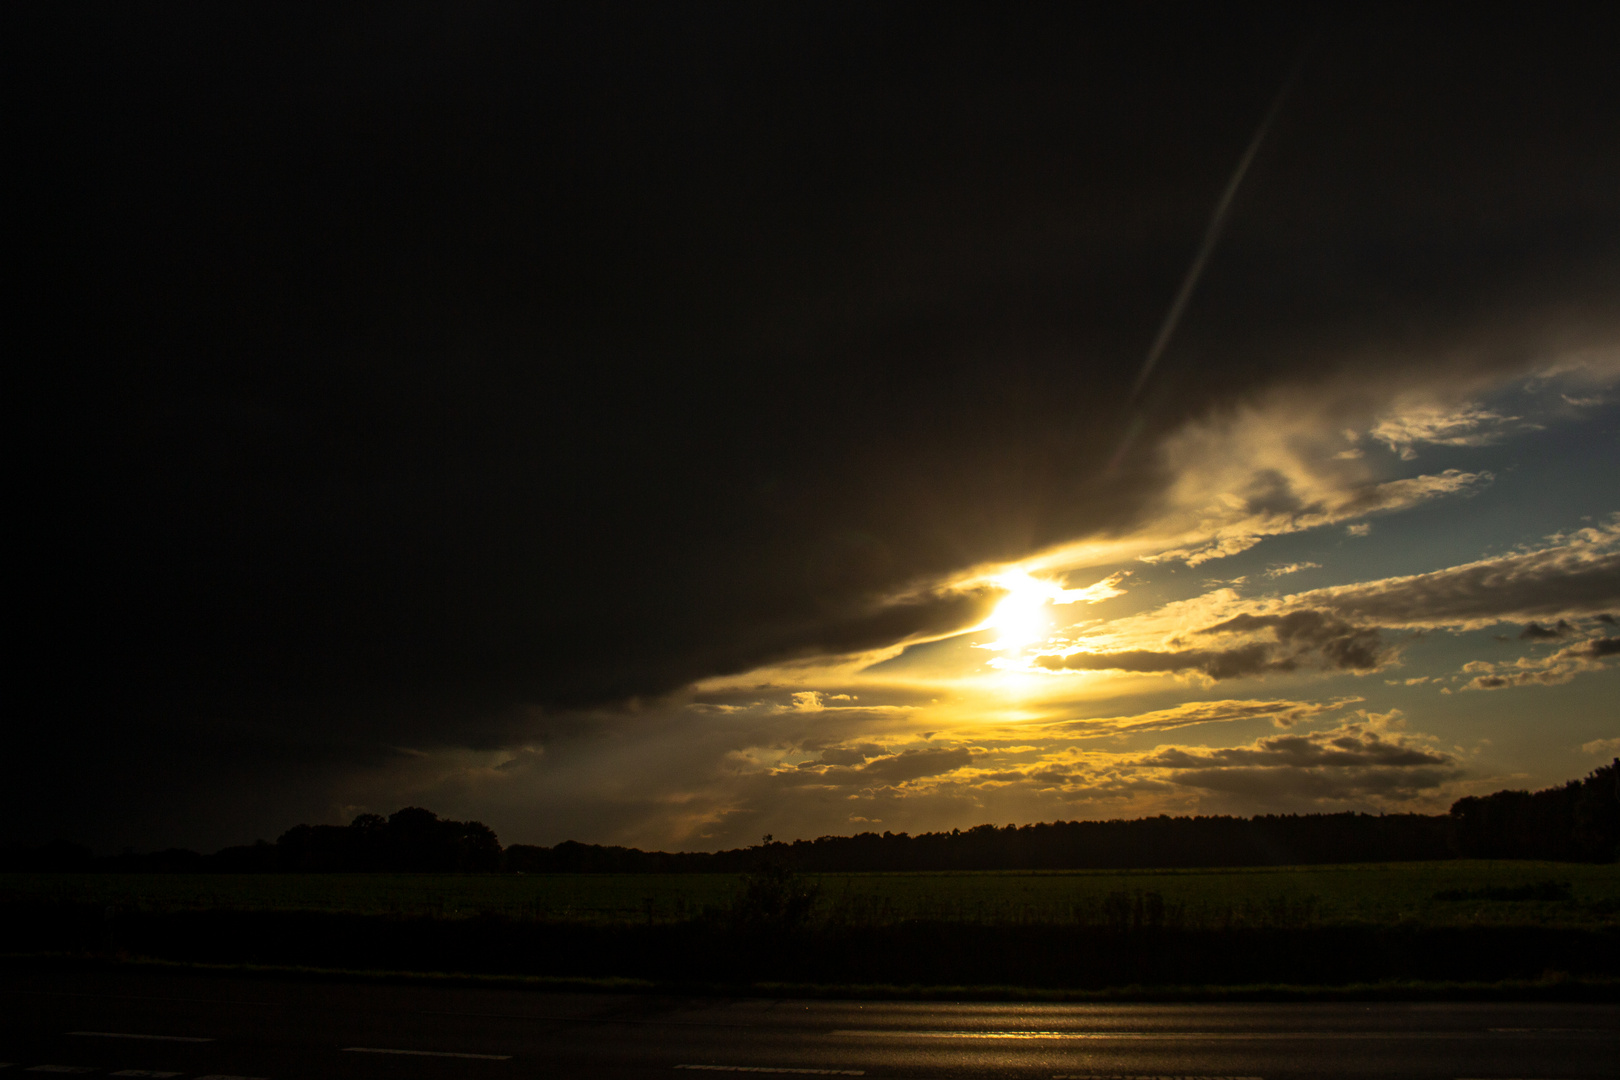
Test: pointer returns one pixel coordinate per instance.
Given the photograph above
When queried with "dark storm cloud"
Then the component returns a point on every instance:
(1304, 639)
(388, 371)
(1537, 632)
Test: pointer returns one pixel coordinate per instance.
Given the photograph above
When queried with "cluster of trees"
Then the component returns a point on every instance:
(410, 841)
(1579, 821)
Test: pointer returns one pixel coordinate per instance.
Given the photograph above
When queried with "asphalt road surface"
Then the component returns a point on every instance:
(192, 1027)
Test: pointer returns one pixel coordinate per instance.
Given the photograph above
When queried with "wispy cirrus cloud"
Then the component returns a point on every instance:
(1466, 424)
(1273, 504)
(859, 767)
(1281, 713)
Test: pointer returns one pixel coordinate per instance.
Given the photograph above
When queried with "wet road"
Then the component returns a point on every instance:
(190, 1027)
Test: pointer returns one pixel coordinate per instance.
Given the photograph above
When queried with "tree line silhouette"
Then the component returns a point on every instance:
(412, 840)
(1577, 821)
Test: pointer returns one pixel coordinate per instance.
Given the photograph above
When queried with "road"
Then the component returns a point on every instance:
(190, 1027)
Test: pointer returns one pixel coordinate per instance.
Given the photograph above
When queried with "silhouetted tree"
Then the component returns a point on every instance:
(412, 840)
(1578, 821)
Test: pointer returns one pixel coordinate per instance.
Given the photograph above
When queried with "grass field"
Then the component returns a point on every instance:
(1351, 895)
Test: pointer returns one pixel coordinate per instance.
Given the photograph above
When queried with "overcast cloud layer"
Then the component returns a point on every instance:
(620, 422)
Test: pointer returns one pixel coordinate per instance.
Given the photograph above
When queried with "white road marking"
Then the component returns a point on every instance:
(227, 1076)
(774, 1069)
(154, 1038)
(1102, 1076)
(61, 1068)
(425, 1053)
(147, 1072)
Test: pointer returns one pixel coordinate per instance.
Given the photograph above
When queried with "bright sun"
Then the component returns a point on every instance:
(1022, 616)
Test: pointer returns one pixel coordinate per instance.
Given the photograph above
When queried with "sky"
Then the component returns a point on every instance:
(670, 424)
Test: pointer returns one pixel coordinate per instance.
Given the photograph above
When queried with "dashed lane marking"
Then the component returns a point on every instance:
(153, 1073)
(227, 1076)
(774, 1069)
(152, 1038)
(425, 1053)
(1102, 1076)
(61, 1068)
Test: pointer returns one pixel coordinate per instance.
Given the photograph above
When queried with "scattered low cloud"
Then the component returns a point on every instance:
(1351, 745)
(1358, 759)
(1560, 667)
(1335, 643)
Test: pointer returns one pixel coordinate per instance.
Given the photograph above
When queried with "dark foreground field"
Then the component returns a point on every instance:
(1452, 922)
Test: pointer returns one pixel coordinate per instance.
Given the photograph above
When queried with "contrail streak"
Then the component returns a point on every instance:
(1217, 221)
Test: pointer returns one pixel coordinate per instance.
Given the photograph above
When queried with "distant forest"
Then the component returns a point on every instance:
(1577, 822)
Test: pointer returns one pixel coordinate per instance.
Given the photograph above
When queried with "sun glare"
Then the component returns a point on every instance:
(1022, 617)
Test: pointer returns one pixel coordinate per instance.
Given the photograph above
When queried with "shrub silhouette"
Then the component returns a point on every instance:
(773, 898)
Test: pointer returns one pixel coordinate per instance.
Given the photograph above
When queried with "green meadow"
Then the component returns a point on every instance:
(1451, 893)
